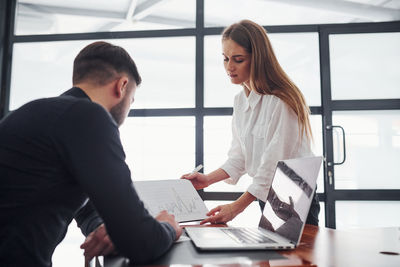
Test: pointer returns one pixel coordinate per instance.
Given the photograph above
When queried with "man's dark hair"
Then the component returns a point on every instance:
(101, 62)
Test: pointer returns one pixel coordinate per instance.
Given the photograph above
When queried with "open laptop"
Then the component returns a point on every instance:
(282, 221)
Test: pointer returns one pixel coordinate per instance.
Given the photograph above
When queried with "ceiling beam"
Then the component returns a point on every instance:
(117, 17)
(146, 8)
(131, 9)
(25, 7)
(170, 21)
(359, 10)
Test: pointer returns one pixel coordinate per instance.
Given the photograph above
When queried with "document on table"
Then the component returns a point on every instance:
(178, 197)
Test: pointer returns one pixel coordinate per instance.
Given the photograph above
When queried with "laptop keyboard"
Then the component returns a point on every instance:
(247, 236)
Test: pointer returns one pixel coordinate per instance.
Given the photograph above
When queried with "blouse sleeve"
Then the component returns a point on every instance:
(283, 140)
(235, 165)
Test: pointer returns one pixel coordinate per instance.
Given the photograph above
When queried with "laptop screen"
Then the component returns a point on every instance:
(290, 197)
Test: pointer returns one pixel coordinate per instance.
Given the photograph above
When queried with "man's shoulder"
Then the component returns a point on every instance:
(77, 104)
(60, 109)
(56, 103)
(65, 104)
(84, 112)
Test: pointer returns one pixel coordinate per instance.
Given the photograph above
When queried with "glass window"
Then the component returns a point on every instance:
(217, 141)
(298, 54)
(365, 66)
(287, 12)
(75, 16)
(68, 252)
(372, 149)
(41, 70)
(367, 214)
(167, 67)
(165, 64)
(159, 148)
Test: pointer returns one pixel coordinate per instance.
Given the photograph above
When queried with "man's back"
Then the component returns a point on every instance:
(54, 154)
(39, 196)
(57, 153)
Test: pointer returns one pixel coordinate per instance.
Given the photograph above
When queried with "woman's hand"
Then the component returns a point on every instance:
(225, 213)
(198, 180)
(220, 214)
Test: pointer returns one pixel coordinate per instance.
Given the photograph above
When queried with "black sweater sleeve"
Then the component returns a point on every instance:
(88, 219)
(88, 142)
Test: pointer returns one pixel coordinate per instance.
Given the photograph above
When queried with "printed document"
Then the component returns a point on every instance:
(178, 197)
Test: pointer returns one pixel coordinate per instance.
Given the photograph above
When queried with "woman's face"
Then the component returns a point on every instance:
(236, 62)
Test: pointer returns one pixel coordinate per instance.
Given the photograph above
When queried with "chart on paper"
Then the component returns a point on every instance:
(178, 197)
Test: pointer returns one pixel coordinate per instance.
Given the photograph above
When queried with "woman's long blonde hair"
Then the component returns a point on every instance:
(266, 74)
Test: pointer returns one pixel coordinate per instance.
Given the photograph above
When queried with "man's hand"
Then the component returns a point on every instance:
(198, 180)
(164, 216)
(97, 243)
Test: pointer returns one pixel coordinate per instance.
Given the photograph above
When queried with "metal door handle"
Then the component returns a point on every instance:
(330, 127)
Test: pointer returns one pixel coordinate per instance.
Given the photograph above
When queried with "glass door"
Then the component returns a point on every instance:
(361, 99)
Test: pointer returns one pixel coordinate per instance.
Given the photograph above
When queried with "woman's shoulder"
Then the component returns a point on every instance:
(240, 94)
(275, 105)
(274, 102)
(240, 97)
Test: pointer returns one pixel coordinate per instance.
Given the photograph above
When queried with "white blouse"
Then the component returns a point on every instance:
(264, 130)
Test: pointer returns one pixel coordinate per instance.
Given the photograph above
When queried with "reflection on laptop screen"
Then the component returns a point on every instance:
(288, 200)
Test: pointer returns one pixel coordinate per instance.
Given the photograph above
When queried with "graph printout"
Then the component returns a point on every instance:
(178, 197)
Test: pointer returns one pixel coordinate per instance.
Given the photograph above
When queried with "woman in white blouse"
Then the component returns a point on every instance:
(270, 121)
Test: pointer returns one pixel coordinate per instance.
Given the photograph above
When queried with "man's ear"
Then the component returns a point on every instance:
(121, 86)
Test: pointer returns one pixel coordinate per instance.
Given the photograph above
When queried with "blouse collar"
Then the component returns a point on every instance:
(251, 100)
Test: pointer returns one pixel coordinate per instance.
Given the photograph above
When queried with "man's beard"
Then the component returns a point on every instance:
(118, 113)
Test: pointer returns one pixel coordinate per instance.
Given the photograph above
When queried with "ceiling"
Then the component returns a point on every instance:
(73, 16)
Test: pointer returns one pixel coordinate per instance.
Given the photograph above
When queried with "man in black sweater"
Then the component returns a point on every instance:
(61, 158)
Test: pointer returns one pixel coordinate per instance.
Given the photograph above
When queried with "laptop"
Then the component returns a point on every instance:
(282, 221)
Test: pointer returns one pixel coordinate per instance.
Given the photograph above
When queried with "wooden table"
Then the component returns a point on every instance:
(359, 247)
(324, 247)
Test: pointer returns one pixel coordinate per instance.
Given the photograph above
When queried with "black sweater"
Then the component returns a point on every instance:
(55, 153)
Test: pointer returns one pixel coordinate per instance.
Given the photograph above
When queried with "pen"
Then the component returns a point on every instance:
(198, 168)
